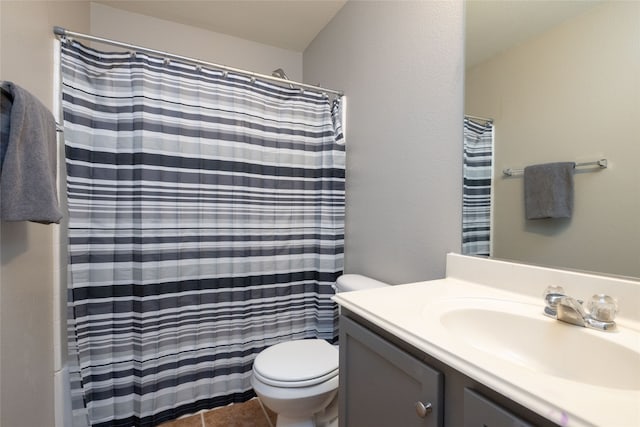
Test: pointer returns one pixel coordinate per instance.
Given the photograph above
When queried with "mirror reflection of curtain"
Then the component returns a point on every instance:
(476, 206)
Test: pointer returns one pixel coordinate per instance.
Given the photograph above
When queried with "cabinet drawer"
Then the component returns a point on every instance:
(481, 412)
(383, 386)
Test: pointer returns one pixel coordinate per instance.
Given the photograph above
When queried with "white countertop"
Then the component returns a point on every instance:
(410, 312)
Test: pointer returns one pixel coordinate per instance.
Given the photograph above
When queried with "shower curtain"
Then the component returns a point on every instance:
(476, 204)
(206, 223)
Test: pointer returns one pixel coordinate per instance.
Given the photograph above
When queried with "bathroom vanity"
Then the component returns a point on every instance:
(386, 382)
(474, 349)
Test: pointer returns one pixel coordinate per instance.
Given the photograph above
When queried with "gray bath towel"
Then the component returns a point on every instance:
(28, 174)
(548, 190)
(6, 99)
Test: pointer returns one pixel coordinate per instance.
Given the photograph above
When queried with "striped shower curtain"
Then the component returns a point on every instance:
(206, 223)
(476, 195)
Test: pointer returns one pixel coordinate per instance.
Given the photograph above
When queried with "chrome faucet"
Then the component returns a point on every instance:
(601, 314)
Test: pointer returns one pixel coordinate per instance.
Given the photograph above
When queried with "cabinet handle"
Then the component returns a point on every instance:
(423, 410)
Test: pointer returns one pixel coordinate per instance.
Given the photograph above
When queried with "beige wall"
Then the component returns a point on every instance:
(26, 256)
(192, 42)
(401, 66)
(572, 94)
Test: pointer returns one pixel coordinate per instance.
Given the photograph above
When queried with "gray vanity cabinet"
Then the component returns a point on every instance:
(381, 385)
(385, 382)
(481, 412)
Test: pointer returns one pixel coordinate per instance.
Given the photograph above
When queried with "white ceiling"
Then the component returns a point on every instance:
(492, 25)
(282, 23)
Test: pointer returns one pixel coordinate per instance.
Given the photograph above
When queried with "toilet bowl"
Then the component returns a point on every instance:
(298, 380)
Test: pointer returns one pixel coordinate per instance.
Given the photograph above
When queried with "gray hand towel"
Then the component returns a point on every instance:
(548, 190)
(28, 174)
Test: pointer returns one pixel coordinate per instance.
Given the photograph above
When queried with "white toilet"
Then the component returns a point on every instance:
(298, 380)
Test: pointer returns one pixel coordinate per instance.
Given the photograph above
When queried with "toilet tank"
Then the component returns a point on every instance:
(357, 282)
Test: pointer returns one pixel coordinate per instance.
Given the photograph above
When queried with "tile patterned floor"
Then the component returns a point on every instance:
(248, 414)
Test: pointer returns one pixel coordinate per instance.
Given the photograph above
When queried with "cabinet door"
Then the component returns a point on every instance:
(383, 386)
(481, 412)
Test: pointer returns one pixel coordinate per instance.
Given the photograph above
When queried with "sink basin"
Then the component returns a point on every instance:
(518, 333)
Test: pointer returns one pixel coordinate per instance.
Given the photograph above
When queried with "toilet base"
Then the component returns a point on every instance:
(329, 416)
(306, 422)
(283, 421)
(325, 418)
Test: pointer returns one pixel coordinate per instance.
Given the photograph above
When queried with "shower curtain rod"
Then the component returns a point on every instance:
(62, 32)
(486, 119)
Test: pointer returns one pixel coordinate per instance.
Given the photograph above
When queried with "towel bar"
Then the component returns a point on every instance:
(602, 164)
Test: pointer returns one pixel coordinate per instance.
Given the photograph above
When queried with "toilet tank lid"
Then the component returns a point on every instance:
(357, 282)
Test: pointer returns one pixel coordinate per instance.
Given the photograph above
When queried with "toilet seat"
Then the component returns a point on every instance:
(298, 363)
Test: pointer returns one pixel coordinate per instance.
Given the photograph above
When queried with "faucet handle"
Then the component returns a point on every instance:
(603, 307)
(552, 295)
(553, 290)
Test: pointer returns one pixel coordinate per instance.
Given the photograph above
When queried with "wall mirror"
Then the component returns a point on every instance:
(560, 81)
